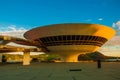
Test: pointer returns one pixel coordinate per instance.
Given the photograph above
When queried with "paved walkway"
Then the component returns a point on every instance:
(60, 71)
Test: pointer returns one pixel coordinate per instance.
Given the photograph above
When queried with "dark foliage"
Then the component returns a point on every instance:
(4, 58)
(92, 56)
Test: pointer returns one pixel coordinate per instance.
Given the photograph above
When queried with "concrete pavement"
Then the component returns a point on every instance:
(60, 71)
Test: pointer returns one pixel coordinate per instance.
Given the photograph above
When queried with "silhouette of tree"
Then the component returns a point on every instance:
(92, 56)
(4, 58)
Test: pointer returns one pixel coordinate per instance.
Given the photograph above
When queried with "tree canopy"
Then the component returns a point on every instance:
(92, 56)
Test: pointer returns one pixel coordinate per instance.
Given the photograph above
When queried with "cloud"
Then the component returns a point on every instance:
(12, 30)
(88, 20)
(15, 28)
(111, 47)
(114, 41)
(100, 19)
(116, 26)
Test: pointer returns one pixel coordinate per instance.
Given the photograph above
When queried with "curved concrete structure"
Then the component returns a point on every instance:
(70, 40)
(5, 47)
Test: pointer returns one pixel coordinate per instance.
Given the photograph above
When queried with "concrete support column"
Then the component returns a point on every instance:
(26, 58)
(69, 57)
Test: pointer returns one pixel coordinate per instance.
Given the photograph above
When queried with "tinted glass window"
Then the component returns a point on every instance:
(90, 37)
(73, 40)
(59, 38)
(96, 38)
(42, 39)
(47, 39)
(64, 37)
(77, 37)
(73, 37)
(55, 38)
(51, 38)
(81, 37)
(86, 37)
(68, 37)
(93, 37)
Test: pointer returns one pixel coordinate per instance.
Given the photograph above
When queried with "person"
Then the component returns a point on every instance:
(99, 63)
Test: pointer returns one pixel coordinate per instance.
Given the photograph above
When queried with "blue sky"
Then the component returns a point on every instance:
(33, 13)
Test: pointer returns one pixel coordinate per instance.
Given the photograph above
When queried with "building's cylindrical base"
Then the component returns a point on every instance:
(69, 57)
(70, 53)
(26, 58)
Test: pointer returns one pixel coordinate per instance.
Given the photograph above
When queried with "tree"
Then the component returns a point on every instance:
(84, 57)
(92, 56)
(97, 56)
(4, 58)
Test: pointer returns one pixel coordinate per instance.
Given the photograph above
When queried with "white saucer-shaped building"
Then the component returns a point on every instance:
(71, 40)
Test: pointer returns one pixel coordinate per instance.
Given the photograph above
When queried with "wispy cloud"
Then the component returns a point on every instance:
(88, 20)
(100, 19)
(12, 30)
(116, 26)
(112, 47)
